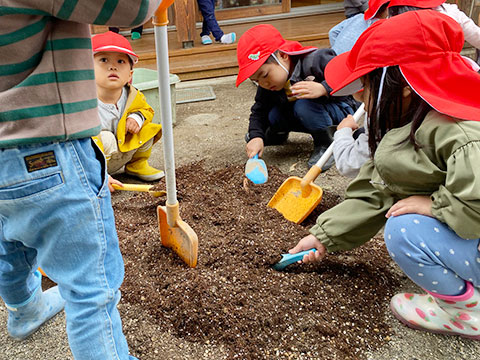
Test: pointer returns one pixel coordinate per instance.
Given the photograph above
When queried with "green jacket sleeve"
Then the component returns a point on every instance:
(358, 218)
(457, 202)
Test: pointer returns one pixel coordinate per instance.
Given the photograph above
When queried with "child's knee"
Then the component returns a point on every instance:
(109, 142)
(398, 232)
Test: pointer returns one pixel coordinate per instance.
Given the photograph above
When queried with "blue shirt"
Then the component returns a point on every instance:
(344, 35)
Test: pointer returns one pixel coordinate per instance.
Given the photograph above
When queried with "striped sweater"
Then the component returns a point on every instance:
(47, 87)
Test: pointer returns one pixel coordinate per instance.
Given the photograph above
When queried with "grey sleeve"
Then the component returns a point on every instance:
(349, 153)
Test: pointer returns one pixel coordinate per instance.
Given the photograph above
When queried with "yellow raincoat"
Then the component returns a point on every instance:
(136, 102)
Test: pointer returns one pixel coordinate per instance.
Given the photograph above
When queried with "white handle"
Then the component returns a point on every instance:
(326, 155)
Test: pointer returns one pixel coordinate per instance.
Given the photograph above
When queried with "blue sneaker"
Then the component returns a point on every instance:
(228, 38)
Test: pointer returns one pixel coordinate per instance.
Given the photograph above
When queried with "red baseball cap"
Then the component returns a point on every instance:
(113, 42)
(257, 44)
(426, 46)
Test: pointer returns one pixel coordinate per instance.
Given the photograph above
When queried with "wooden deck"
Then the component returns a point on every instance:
(205, 61)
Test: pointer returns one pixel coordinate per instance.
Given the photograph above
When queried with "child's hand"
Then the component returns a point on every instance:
(349, 121)
(254, 147)
(132, 126)
(421, 205)
(111, 181)
(308, 90)
(307, 243)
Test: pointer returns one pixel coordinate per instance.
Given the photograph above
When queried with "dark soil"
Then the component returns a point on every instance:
(233, 299)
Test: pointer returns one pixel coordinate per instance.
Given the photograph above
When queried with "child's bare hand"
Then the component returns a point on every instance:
(132, 126)
(421, 205)
(307, 243)
(349, 121)
(308, 90)
(111, 181)
(255, 146)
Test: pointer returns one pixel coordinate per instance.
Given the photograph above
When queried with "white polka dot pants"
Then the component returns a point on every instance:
(431, 254)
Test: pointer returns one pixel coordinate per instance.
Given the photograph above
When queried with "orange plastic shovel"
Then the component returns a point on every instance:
(174, 232)
(296, 198)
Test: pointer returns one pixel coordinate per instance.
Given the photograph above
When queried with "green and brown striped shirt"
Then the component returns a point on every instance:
(47, 87)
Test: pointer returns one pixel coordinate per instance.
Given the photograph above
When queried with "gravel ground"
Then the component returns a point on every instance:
(222, 144)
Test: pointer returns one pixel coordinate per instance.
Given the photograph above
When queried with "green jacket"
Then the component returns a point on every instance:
(447, 168)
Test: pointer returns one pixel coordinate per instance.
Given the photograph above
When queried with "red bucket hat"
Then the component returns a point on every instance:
(113, 42)
(375, 5)
(426, 46)
(257, 44)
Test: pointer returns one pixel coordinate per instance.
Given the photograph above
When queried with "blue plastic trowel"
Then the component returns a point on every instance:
(288, 259)
(256, 170)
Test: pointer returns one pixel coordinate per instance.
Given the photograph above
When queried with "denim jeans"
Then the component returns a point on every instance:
(432, 254)
(210, 24)
(55, 212)
(307, 116)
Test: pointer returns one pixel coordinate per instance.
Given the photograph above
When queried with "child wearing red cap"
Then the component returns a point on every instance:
(351, 147)
(292, 94)
(127, 134)
(395, 7)
(423, 181)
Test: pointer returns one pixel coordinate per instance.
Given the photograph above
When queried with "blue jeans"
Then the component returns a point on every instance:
(210, 24)
(433, 255)
(55, 212)
(307, 116)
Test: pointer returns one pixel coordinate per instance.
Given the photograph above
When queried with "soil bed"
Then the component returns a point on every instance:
(234, 300)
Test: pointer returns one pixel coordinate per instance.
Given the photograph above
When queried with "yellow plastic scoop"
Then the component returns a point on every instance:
(139, 187)
(296, 198)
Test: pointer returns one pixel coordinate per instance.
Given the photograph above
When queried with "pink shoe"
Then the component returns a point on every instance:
(443, 314)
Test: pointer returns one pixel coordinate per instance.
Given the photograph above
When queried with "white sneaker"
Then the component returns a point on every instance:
(206, 40)
(228, 38)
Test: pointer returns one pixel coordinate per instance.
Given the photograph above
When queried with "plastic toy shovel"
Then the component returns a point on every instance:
(288, 259)
(296, 198)
(175, 233)
(256, 170)
(139, 187)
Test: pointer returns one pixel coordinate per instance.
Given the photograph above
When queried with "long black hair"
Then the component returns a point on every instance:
(388, 113)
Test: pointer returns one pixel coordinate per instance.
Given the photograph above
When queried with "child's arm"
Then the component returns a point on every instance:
(313, 66)
(350, 154)
(471, 31)
(101, 12)
(258, 121)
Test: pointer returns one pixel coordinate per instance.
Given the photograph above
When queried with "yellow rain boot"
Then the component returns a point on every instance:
(139, 167)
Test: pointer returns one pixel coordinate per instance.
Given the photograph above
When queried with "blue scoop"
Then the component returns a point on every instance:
(256, 170)
(288, 259)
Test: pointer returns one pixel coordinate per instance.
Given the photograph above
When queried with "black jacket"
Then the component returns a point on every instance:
(311, 64)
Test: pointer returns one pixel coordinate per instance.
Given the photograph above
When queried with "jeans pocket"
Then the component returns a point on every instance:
(31, 187)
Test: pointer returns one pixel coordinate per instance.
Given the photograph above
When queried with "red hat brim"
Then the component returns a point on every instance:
(288, 47)
(451, 89)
